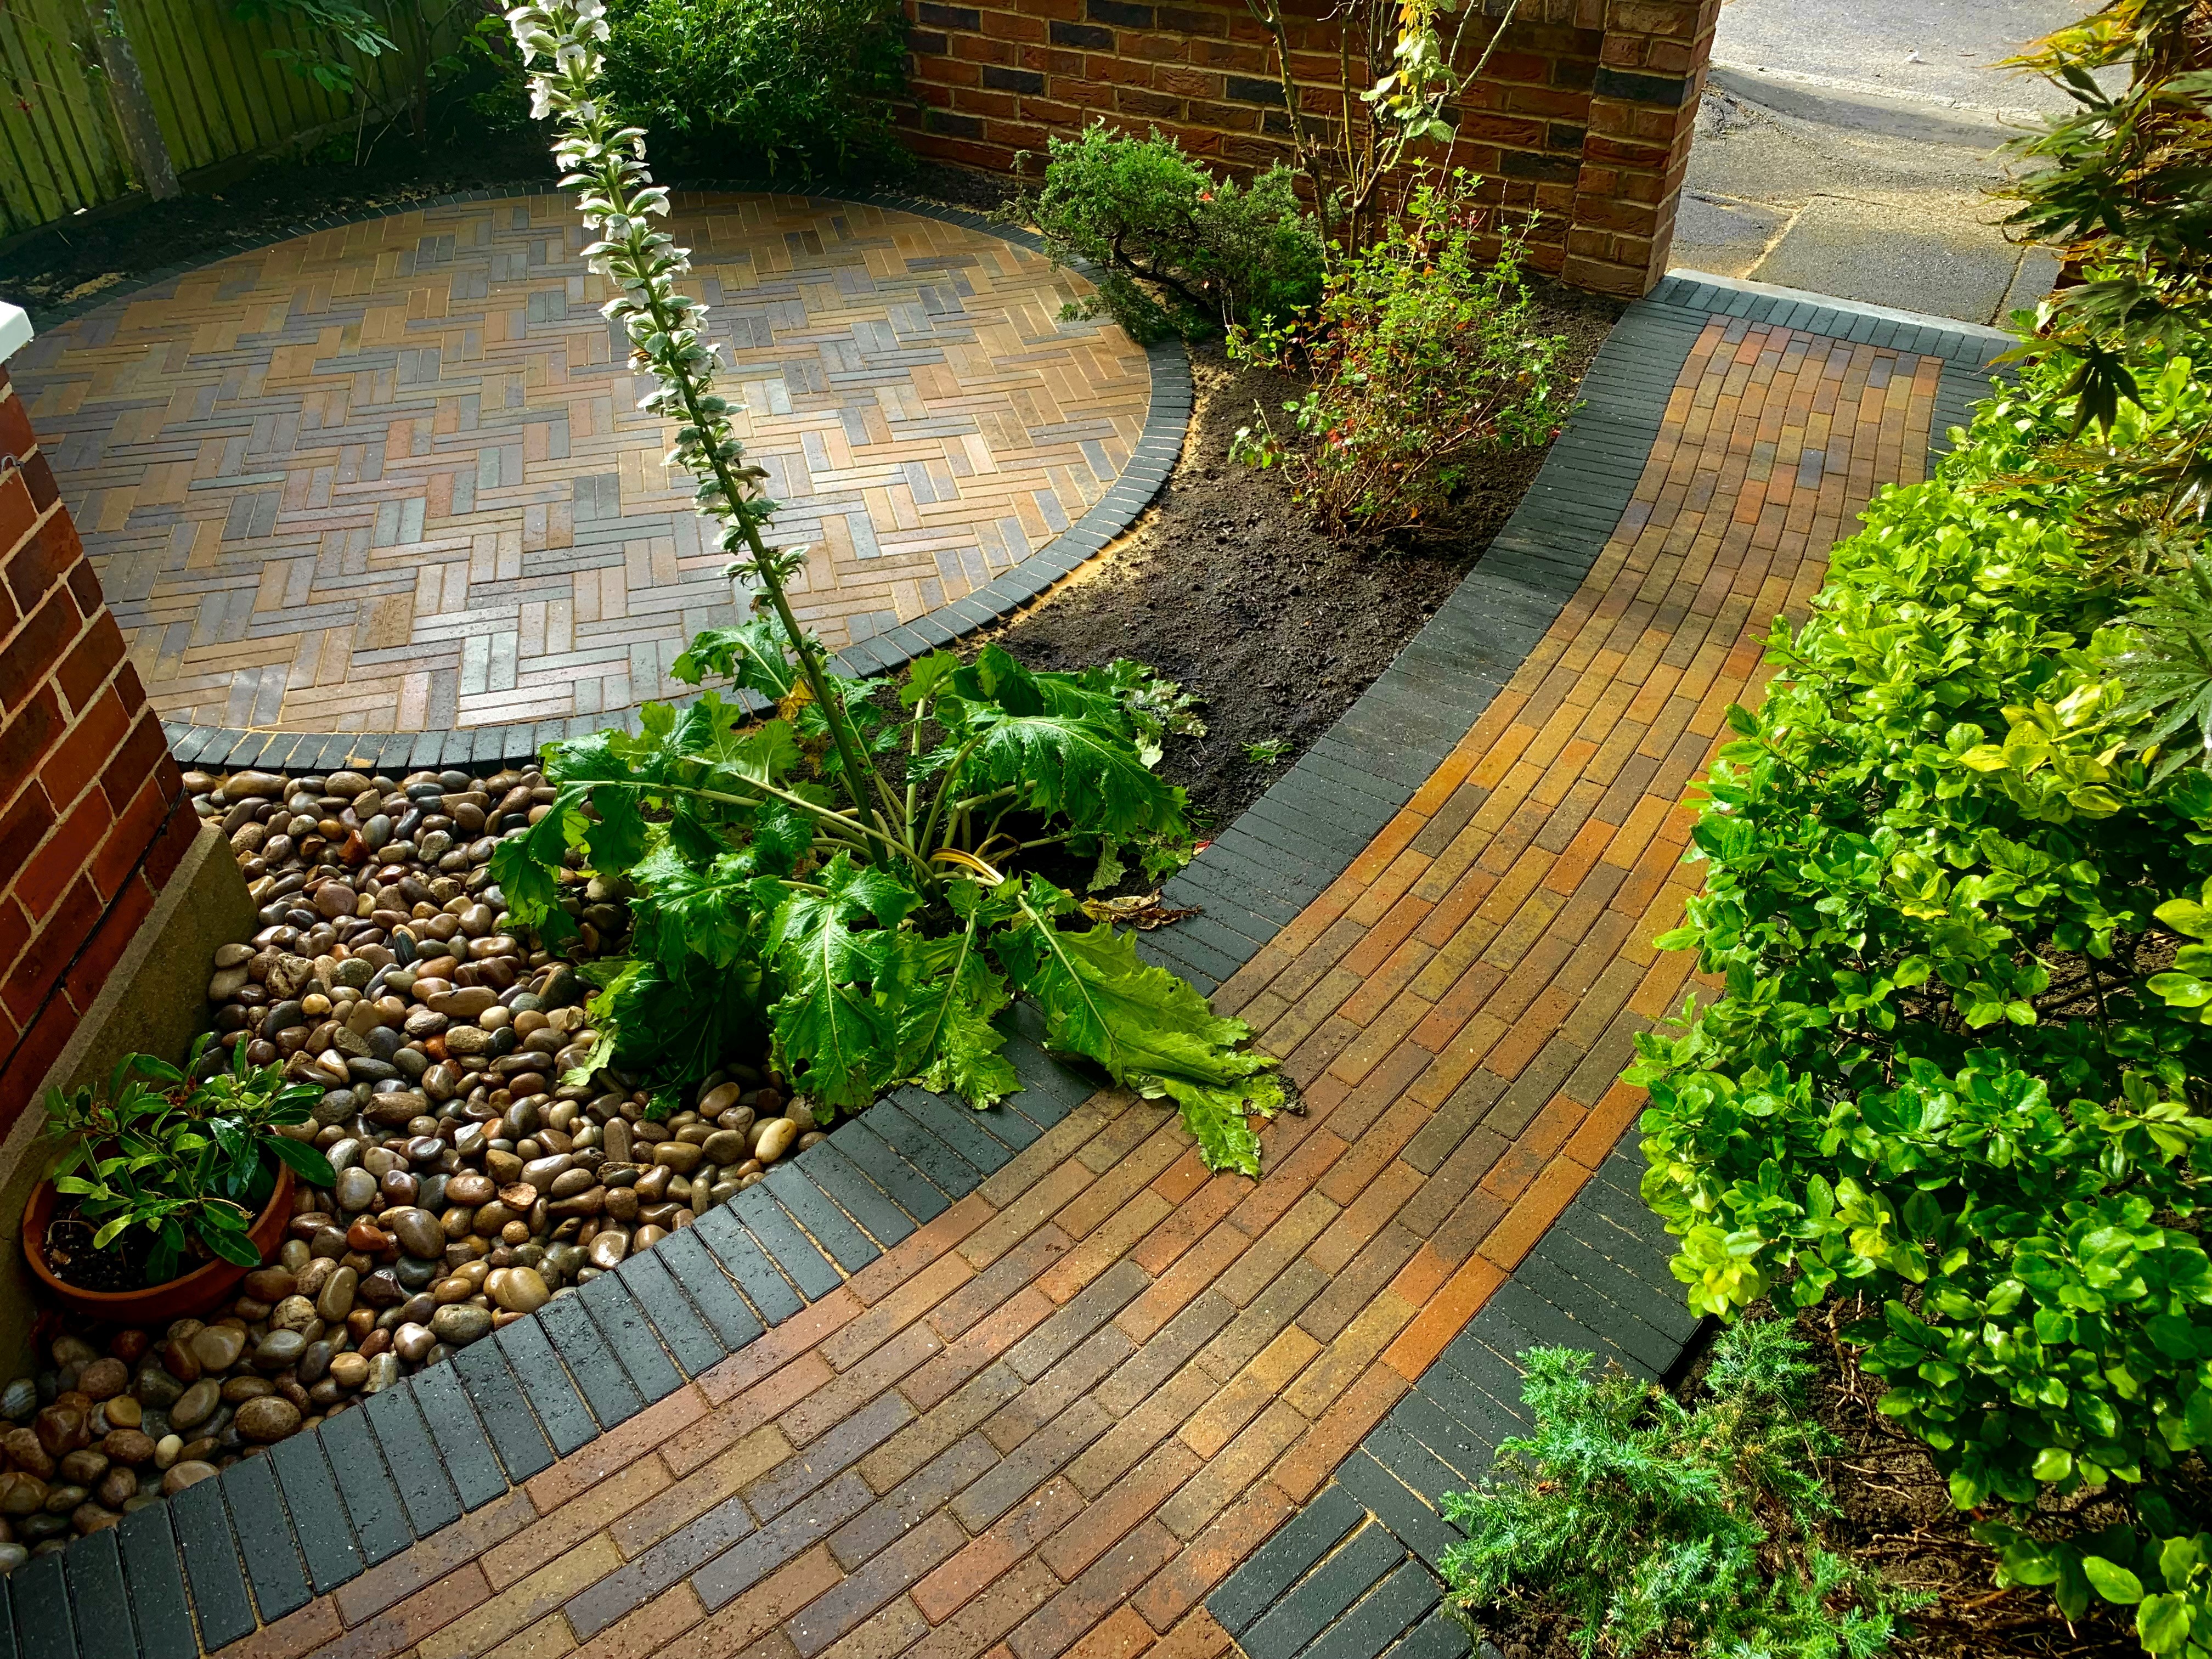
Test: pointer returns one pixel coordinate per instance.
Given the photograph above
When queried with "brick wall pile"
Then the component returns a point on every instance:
(93, 819)
(1584, 110)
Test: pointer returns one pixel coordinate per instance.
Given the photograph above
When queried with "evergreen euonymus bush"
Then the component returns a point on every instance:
(1956, 897)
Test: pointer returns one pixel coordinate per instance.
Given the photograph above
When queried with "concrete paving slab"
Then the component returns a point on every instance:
(1886, 254)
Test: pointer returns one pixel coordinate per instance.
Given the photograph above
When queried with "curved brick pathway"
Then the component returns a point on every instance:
(1089, 1390)
(390, 476)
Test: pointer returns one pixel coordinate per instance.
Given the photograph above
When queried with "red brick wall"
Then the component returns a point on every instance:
(1585, 112)
(94, 818)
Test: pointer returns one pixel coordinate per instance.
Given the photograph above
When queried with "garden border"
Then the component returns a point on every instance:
(1352, 1574)
(487, 748)
(261, 1540)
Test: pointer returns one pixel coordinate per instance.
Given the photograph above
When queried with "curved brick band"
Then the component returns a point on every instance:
(1030, 1381)
(376, 496)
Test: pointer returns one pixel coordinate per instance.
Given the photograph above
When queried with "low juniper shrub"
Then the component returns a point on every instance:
(1648, 1525)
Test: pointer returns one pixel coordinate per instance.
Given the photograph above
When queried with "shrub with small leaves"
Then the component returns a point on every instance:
(1177, 251)
(1424, 356)
(1959, 905)
(1650, 1524)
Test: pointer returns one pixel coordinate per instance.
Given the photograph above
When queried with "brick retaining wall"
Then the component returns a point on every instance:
(93, 819)
(1585, 113)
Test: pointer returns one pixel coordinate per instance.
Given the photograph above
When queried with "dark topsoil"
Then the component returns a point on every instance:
(1897, 1517)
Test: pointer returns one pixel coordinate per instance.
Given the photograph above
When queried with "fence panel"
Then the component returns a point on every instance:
(60, 149)
(216, 90)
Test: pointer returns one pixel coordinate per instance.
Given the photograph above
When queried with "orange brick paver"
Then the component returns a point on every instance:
(391, 476)
(1052, 1422)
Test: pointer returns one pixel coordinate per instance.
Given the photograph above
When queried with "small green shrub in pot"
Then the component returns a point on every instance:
(778, 89)
(191, 1164)
(1650, 1525)
(1180, 251)
(1424, 356)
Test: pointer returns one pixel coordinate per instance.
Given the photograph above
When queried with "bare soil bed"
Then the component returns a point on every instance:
(1229, 586)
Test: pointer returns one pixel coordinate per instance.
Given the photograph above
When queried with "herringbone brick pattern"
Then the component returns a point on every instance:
(1053, 1419)
(391, 476)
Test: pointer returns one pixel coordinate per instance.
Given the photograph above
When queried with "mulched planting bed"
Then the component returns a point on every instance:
(1227, 585)
(1897, 1517)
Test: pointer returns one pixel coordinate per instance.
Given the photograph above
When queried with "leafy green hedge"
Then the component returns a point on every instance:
(1955, 893)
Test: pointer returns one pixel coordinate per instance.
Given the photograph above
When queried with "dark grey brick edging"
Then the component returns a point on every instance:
(487, 748)
(1352, 1576)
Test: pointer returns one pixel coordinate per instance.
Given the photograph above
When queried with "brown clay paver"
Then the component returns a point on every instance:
(1024, 1443)
(391, 477)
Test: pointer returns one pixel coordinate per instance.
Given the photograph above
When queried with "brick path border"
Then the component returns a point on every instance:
(274, 1535)
(1353, 1574)
(487, 748)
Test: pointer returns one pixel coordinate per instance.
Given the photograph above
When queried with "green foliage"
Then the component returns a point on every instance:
(869, 957)
(1955, 895)
(1424, 357)
(800, 89)
(193, 1163)
(1649, 1523)
(1266, 751)
(871, 922)
(2122, 185)
(1178, 250)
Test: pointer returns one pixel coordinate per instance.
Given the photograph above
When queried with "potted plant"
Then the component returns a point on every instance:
(163, 1193)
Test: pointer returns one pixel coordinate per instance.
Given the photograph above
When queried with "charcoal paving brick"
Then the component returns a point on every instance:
(318, 1517)
(418, 1468)
(470, 1463)
(878, 1164)
(694, 1267)
(99, 1604)
(560, 1409)
(825, 1220)
(504, 1410)
(1312, 1603)
(155, 1572)
(211, 1566)
(264, 1536)
(629, 1332)
(372, 1500)
(603, 1380)
(44, 1628)
(1295, 1549)
(802, 1262)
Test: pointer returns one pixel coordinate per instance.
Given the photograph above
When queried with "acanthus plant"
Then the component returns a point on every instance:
(840, 882)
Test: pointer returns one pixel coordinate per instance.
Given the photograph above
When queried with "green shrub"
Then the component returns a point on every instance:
(1424, 356)
(1648, 1523)
(1954, 895)
(780, 88)
(1178, 250)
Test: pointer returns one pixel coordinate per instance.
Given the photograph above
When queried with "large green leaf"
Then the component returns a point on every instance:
(1148, 1028)
(752, 654)
(837, 1019)
(947, 1040)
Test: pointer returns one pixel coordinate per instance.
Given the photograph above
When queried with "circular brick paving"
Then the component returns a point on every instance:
(389, 476)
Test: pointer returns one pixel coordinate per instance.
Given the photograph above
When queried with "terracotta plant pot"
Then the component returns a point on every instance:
(158, 1305)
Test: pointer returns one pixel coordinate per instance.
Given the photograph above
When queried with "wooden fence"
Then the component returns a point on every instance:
(214, 89)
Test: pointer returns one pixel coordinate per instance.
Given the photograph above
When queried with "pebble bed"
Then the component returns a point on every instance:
(472, 1184)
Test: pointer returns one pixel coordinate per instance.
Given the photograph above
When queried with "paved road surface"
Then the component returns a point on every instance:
(1851, 149)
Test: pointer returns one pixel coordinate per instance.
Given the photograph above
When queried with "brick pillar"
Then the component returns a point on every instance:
(94, 818)
(1643, 115)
